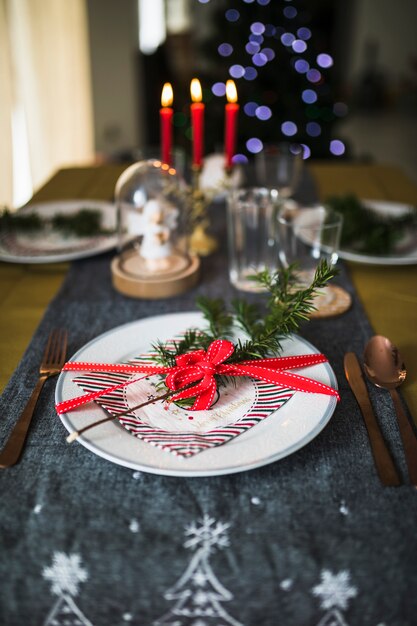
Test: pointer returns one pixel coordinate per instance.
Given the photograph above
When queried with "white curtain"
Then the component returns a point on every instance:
(46, 116)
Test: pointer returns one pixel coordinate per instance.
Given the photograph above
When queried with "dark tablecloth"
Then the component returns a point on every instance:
(311, 539)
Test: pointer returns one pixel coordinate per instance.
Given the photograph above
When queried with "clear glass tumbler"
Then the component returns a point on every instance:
(252, 222)
(306, 236)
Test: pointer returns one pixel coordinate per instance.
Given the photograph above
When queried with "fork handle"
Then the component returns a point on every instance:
(14, 445)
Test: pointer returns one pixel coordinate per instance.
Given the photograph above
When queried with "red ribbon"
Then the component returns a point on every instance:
(200, 367)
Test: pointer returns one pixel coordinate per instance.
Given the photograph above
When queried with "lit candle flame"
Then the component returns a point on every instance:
(195, 88)
(231, 91)
(167, 96)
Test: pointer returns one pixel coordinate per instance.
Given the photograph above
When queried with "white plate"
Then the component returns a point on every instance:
(282, 433)
(48, 246)
(405, 256)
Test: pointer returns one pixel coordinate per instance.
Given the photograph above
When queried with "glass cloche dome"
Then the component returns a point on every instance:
(153, 242)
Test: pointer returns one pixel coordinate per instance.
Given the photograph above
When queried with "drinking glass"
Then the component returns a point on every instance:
(251, 226)
(279, 166)
(306, 236)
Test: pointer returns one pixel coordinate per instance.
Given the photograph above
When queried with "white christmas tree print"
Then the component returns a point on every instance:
(198, 593)
(334, 591)
(65, 574)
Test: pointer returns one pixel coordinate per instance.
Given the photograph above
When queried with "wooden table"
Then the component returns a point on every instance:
(389, 294)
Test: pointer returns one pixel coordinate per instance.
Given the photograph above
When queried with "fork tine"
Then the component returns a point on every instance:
(55, 349)
(45, 357)
(63, 352)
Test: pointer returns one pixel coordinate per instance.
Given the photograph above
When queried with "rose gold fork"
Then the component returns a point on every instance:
(52, 362)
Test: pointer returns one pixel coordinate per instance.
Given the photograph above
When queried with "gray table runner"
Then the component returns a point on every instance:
(312, 539)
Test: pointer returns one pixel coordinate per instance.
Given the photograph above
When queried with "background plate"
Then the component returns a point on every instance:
(51, 247)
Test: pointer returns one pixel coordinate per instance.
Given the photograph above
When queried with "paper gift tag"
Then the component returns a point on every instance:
(239, 406)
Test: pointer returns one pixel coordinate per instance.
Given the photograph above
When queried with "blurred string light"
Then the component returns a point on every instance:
(295, 43)
(263, 113)
(337, 147)
(232, 15)
(240, 158)
(289, 129)
(304, 33)
(287, 39)
(290, 12)
(218, 89)
(250, 108)
(225, 49)
(313, 129)
(250, 73)
(257, 28)
(324, 60)
(254, 145)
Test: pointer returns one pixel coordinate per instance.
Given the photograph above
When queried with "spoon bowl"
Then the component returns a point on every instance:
(383, 363)
(385, 368)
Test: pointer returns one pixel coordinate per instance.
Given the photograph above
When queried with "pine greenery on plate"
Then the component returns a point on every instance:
(265, 326)
(367, 232)
(84, 223)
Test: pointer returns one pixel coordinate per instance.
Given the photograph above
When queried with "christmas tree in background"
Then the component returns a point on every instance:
(277, 51)
(198, 593)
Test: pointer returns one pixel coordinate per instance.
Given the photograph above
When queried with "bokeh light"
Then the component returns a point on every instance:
(269, 53)
(288, 128)
(225, 49)
(304, 33)
(287, 39)
(324, 60)
(259, 59)
(250, 73)
(299, 45)
(290, 12)
(263, 113)
(256, 38)
(309, 96)
(313, 129)
(252, 47)
(232, 15)
(240, 158)
(263, 3)
(250, 108)
(236, 71)
(254, 145)
(306, 151)
(337, 147)
(314, 76)
(219, 89)
(257, 28)
(301, 66)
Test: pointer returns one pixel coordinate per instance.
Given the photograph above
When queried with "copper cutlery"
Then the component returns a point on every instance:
(384, 463)
(51, 365)
(384, 366)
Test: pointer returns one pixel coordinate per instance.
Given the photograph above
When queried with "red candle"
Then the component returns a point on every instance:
(231, 115)
(197, 122)
(165, 116)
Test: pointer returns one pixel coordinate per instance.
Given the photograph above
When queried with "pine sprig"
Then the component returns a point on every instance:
(287, 306)
(220, 321)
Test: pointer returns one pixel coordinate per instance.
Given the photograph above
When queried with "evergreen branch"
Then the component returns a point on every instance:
(214, 311)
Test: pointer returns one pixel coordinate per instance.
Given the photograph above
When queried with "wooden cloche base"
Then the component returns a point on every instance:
(129, 277)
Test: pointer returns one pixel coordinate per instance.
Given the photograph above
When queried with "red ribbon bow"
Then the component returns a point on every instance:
(201, 367)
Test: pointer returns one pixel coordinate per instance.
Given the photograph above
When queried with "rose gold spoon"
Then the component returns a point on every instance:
(385, 367)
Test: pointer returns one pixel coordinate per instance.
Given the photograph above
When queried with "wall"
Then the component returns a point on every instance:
(115, 60)
(392, 24)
